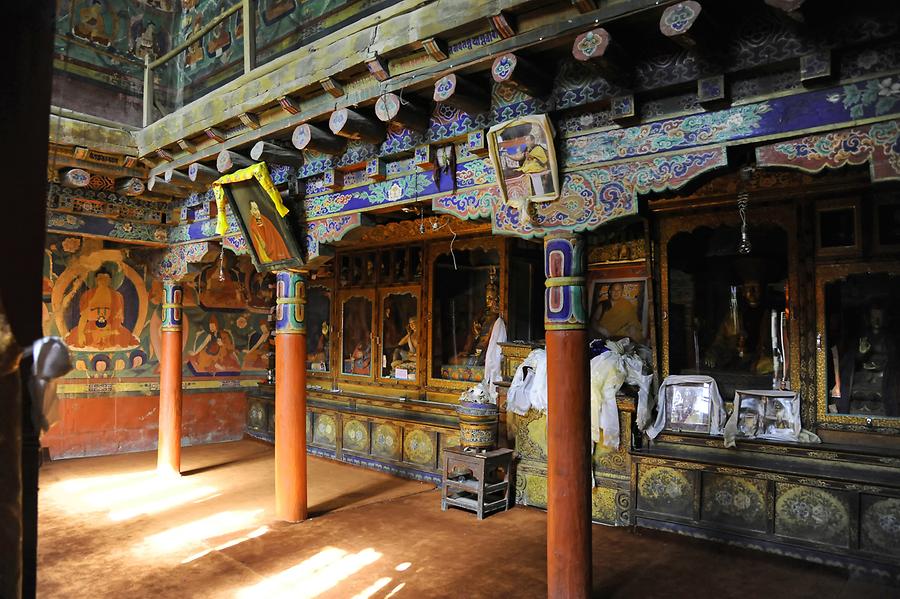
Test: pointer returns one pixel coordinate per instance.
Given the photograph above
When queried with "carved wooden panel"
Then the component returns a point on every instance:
(734, 501)
(667, 491)
(813, 514)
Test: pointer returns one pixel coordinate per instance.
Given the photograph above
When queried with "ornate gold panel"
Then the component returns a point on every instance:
(665, 490)
(603, 505)
(386, 441)
(880, 525)
(419, 447)
(356, 435)
(531, 436)
(812, 514)
(606, 459)
(734, 501)
(325, 430)
(531, 489)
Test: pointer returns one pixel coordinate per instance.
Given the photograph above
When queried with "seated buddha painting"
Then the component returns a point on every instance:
(99, 308)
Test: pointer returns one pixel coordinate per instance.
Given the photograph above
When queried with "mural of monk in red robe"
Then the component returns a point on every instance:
(267, 241)
(101, 316)
(214, 352)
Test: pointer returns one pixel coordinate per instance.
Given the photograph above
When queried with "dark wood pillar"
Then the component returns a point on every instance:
(168, 456)
(290, 397)
(568, 435)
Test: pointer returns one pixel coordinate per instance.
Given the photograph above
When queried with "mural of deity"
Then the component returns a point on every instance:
(194, 53)
(274, 10)
(91, 23)
(261, 291)
(147, 40)
(227, 293)
(257, 357)
(214, 352)
(101, 317)
(219, 40)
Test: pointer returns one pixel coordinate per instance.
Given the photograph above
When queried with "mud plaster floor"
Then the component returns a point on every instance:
(110, 527)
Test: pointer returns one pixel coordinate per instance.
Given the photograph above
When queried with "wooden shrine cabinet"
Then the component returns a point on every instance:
(395, 332)
(826, 265)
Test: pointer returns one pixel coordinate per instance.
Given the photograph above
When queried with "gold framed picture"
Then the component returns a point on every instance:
(524, 159)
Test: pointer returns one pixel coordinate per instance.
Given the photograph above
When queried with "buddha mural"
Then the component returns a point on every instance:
(91, 23)
(102, 314)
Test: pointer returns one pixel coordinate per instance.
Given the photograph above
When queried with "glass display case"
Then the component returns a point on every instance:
(726, 313)
(399, 342)
(318, 328)
(357, 311)
(859, 315)
(467, 299)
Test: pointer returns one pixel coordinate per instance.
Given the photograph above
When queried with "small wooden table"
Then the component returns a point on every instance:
(465, 480)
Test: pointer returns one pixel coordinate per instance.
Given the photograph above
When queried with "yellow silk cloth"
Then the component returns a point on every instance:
(260, 172)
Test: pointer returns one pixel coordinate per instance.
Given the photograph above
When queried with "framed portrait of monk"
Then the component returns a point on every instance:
(618, 305)
(524, 159)
(265, 221)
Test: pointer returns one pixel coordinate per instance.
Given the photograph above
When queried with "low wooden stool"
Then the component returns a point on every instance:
(471, 491)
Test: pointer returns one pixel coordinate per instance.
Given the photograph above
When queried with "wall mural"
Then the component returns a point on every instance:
(103, 299)
(282, 25)
(103, 43)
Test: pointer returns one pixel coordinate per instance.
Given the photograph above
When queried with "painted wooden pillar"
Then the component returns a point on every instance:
(290, 397)
(568, 435)
(168, 455)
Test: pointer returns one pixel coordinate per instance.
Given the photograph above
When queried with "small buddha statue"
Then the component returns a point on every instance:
(480, 334)
(869, 381)
(405, 357)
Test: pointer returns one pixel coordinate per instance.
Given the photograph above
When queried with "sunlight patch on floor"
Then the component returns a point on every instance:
(126, 496)
(187, 535)
(313, 576)
(231, 543)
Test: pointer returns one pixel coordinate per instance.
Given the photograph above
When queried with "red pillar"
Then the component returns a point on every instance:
(568, 435)
(168, 455)
(290, 398)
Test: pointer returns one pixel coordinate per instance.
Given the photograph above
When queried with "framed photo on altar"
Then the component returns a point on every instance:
(524, 159)
(264, 220)
(619, 304)
(689, 407)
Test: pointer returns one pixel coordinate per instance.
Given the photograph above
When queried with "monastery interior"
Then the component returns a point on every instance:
(444, 298)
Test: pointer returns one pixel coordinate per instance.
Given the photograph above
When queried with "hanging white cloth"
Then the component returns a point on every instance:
(609, 371)
(492, 359)
(528, 388)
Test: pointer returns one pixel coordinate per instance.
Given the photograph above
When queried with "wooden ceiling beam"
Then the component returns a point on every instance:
(353, 125)
(332, 86)
(504, 24)
(311, 137)
(200, 173)
(130, 186)
(271, 153)
(229, 160)
(521, 74)
(182, 180)
(792, 9)
(462, 94)
(598, 47)
(74, 177)
(690, 26)
(390, 108)
(156, 184)
(480, 56)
